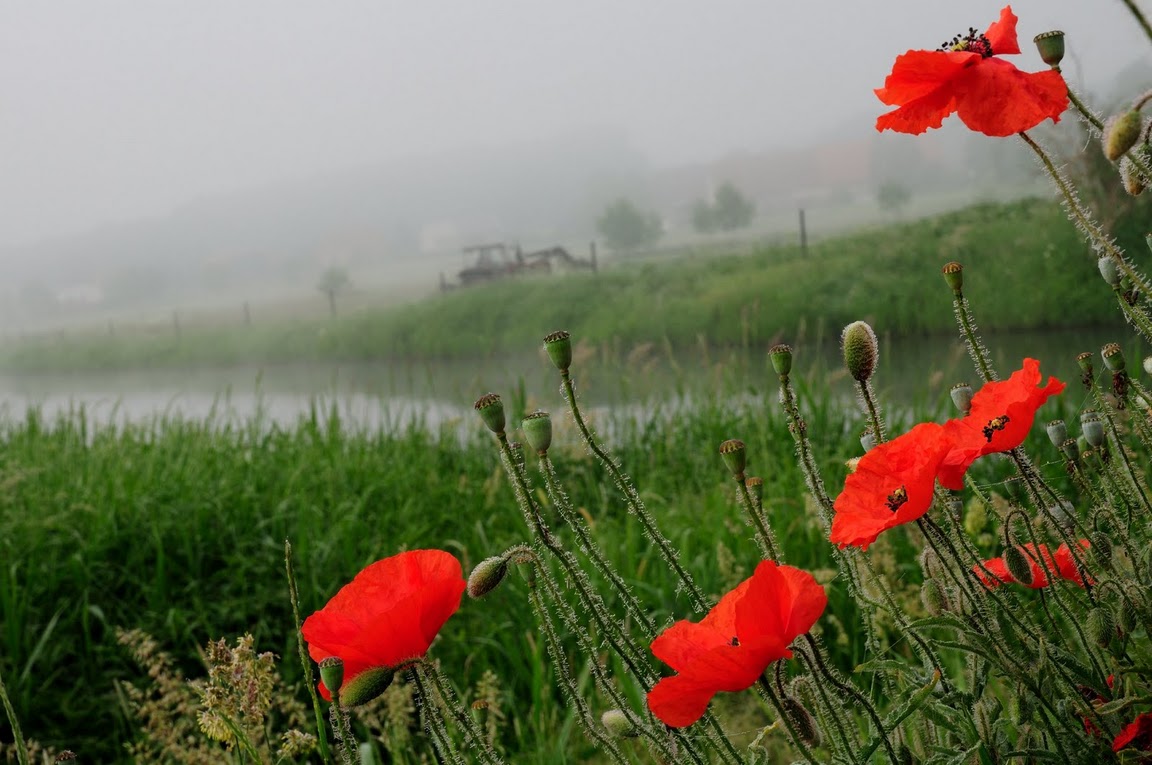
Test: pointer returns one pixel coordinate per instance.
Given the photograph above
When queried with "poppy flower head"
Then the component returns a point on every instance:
(1000, 418)
(966, 76)
(1066, 564)
(893, 484)
(388, 614)
(730, 648)
(995, 572)
(1136, 734)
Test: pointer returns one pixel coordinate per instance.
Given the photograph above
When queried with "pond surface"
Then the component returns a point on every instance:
(916, 371)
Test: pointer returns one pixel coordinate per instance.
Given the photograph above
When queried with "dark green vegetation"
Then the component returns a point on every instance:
(889, 276)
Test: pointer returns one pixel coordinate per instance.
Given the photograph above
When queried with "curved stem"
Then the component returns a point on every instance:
(1140, 18)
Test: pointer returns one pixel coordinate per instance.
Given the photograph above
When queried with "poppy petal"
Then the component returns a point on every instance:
(1002, 34)
(997, 99)
(680, 701)
(783, 602)
(919, 73)
(1066, 564)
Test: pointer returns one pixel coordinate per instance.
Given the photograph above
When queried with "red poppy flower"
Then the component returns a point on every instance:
(1136, 734)
(1060, 564)
(967, 76)
(751, 627)
(1067, 565)
(1002, 413)
(388, 614)
(892, 484)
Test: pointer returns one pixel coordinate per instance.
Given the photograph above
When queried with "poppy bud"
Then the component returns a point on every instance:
(954, 276)
(732, 451)
(1093, 428)
(755, 487)
(618, 724)
(781, 356)
(1113, 357)
(537, 428)
(929, 563)
(66, 756)
(487, 576)
(861, 350)
(1017, 565)
(558, 344)
(491, 410)
(1102, 548)
(867, 440)
(1100, 626)
(932, 596)
(1121, 133)
(802, 720)
(332, 673)
(1108, 269)
(1126, 616)
(366, 686)
(1131, 178)
(1057, 432)
(1071, 449)
(1051, 47)
(961, 394)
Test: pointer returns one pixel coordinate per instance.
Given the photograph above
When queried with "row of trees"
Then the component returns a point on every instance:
(623, 226)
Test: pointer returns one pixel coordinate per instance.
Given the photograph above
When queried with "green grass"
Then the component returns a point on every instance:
(888, 275)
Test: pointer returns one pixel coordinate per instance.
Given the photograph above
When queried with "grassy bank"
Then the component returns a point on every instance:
(888, 275)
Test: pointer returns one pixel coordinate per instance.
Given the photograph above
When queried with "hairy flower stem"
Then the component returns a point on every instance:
(478, 745)
(342, 731)
(830, 711)
(632, 499)
(1140, 18)
(1118, 447)
(851, 690)
(976, 348)
(1135, 316)
(305, 660)
(434, 723)
(1097, 125)
(866, 395)
(578, 525)
(755, 512)
(17, 736)
(764, 686)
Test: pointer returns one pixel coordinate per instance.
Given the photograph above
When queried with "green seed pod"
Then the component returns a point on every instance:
(932, 596)
(802, 720)
(1121, 132)
(1071, 449)
(1147, 364)
(1101, 548)
(1051, 47)
(1093, 428)
(537, 428)
(954, 276)
(1108, 270)
(559, 347)
(755, 487)
(1017, 564)
(962, 397)
(332, 673)
(491, 410)
(732, 451)
(366, 686)
(618, 725)
(861, 350)
(1057, 433)
(781, 356)
(1113, 357)
(487, 576)
(1100, 626)
(867, 441)
(1084, 361)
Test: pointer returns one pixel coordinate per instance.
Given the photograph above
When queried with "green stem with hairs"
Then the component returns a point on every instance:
(769, 693)
(473, 735)
(1139, 16)
(434, 723)
(17, 736)
(756, 514)
(305, 660)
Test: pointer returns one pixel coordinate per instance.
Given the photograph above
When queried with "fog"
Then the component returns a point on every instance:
(168, 149)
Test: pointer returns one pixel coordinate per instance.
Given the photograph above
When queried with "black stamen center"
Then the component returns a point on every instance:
(897, 499)
(994, 425)
(972, 42)
(735, 641)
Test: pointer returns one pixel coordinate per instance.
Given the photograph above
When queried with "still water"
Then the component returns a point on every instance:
(912, 371)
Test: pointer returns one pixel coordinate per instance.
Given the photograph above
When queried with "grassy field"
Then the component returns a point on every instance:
(888, 275)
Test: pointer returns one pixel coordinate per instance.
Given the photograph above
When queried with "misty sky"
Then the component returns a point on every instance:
(114, 110)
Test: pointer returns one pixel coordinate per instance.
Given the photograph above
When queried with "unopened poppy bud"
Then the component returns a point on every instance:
(1093, 428)
(491, 410)
(1113, 357)
(1100, 626)
(734, 456)
(802, 720)
(1126, 616)
(867, 440)
(487, 576)
(961, 394)
(1057, 433)
(861, 350)
(1102, 548)
(1107, 266)
(1051, 47)
(366, 686)
(1121, 133)
(932, 596)
(618, 725)
(781, 356)
(537, 428)
(1132, 179)
(755, 486)
(1071, 449)
(559, 347)
(332, 673)
(954, 276)
(929, 563)
(1017, 565)
(66, 756)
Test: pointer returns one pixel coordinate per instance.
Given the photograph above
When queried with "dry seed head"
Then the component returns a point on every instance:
(491, 410)
(537, 428)
(861, 350)
(954, 276)
(734, 456)
(487, 576)
(558, 344)
(781, 356)
(1121, 132)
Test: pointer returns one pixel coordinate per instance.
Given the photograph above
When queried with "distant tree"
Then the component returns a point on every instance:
(703, 217)
(732, 210)
(332, 282)
(892, 196)
(626, 227)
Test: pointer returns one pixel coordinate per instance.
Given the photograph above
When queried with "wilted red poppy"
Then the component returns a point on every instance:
(751, 627)
(388, 614)
(966, 76)
(1060, 564)
(1002, 413)
(1136, 734)
(892, 484)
